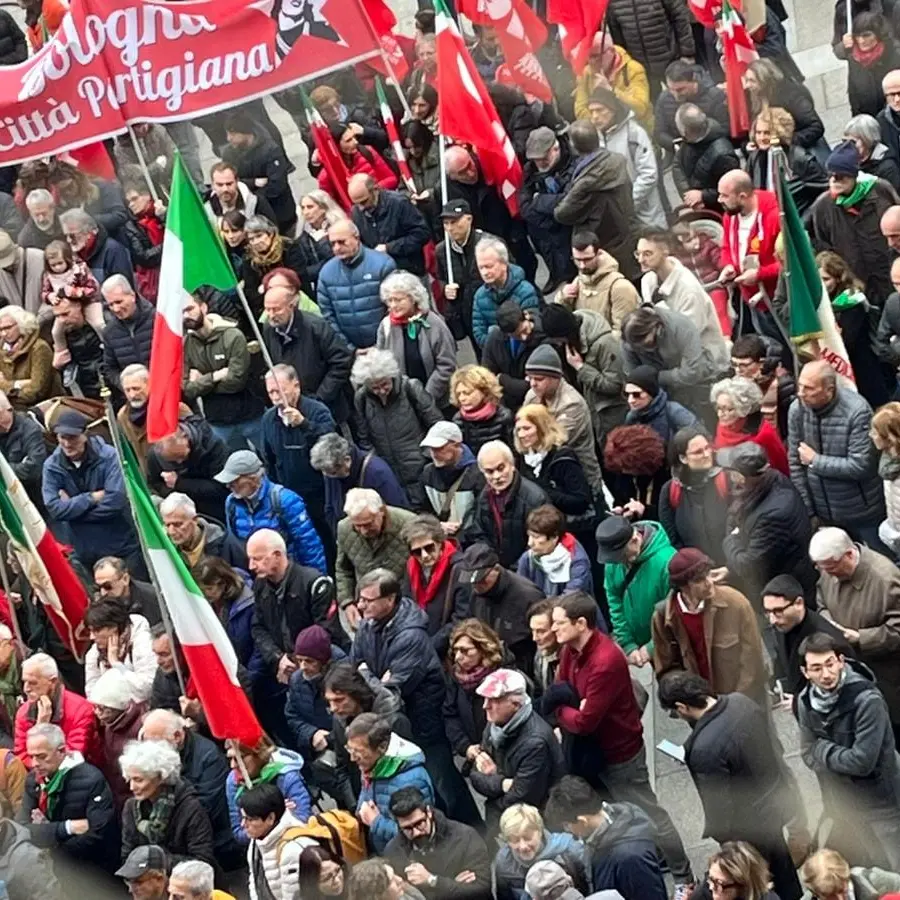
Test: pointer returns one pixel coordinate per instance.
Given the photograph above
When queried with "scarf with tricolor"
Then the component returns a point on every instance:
(397, 756)
(50, 790)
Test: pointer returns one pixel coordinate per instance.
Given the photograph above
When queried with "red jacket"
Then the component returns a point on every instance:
(377, 168)
(762, 244)
(767, 438)
(608, 710)
(74, 715)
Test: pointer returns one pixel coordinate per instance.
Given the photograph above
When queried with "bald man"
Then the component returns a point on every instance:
(889, 117)
(751, 225)
(890, 227)
(389, 222)
(833, 462)
(887, 339)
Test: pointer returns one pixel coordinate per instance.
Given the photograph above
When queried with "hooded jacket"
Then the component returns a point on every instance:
(489, 296)
(599, 200)
(510, 870)
(628, 82)
(127, 341)
(633, 600)
(403, 765)
(222, 346)
(693, 508)
(138, 666)
(277, 862)
(605, 291)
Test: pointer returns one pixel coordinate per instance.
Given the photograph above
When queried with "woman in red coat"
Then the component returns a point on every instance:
(738, 403)
(357, 158)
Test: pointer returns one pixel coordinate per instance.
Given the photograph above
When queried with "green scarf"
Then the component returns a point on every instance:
(864, 184)
(269, 772)
(847, 300)
(51, 789)
(155, 822)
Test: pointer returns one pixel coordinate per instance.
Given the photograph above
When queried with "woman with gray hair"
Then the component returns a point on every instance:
(738, 403)
(164, 809)
(319, 212)
(417, 337)
(874, 156)
(393, 415)
(268, 250)
(27, 375)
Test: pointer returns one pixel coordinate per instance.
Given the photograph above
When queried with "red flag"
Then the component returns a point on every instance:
(329, 154)
(384, 22)
(520, 33)
(578, 23)
(468, 115)
(738, 51)
(94, 160)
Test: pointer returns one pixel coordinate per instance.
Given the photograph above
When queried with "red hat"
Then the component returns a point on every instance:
(688, 565)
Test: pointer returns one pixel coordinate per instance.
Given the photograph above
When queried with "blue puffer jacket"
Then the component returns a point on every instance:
(488, 298)
(567, 851)
(94, 529)
(289, 781)
(403, 765)
(305, 708)
(285, 513)
(347, 293)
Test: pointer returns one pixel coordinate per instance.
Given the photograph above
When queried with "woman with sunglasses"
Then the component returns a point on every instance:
(736, 872)
(433, 576)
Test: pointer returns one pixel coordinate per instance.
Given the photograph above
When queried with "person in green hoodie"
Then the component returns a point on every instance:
(636, 578)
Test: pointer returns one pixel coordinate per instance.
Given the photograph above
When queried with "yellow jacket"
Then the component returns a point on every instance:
(629, 83)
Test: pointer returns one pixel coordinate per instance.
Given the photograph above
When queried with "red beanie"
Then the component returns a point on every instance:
(687, 565)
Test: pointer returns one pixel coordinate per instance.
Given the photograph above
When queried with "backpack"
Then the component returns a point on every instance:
(676, 488)
(275, 496)
(334, 829)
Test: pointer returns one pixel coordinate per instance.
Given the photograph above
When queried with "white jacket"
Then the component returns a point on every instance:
(282, 875)
(138, 666)
(889, 530)
(682, 293)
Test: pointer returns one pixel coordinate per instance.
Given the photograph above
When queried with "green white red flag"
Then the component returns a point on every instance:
(207, 649)
(467, 114)
(390, 124)
(738, 51)
(192, 255)
(329, 153)
(43, 563)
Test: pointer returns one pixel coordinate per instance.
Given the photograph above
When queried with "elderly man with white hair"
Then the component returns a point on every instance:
(369, 536)
(68, 805)
(196, 537)
(47, 701)
(859, 591)
(43, 224)
(104, 255)
(129, 332)
(194, 879)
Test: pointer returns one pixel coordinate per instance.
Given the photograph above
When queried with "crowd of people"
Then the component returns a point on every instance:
(472, 519)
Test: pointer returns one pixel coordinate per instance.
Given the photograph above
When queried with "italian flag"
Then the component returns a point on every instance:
(738, 51)
(390, 124)
(329, 153)
(207, 650)
(192, 255)
(42, 561)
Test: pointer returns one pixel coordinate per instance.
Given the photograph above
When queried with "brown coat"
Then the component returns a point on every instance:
(137, 434)
(32, 366)
(870, 604)
(607, 291)
(733, 644)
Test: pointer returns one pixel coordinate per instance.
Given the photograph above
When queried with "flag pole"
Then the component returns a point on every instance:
(239, 759)
(4, 577)
(442, 149)
(142, 162)
(163, 609)
(392, 77)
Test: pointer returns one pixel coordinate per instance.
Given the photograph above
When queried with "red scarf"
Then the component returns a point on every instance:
(150, 223)
(398, 320)
(423, 593)
(484, 412)
(727, 436)
(868, 58)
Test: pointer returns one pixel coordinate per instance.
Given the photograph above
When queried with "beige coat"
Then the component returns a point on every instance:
(607, 292)
(733, 644)
(870, 604)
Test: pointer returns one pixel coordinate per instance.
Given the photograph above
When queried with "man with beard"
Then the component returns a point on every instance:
(82, 358)
(217, 374)
(229, 193)
(43, 224)
(445, 860)
(104, 255)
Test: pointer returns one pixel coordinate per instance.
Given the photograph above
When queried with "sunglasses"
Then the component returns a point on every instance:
(425, 548)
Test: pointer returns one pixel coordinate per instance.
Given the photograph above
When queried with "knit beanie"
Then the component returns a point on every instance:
(646, 378)
(560, 322)
(687, 565)
(111, 690)
(844, 160)
(605, 97)
(314, 643)
(544, 361)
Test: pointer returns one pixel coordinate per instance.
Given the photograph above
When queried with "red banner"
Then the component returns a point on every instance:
(114, 62)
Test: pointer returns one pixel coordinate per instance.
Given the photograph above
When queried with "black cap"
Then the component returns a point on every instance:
(613, 535)
(478, 560)
(455, 209)
(748, 459)
(144, 859)
(70, 423)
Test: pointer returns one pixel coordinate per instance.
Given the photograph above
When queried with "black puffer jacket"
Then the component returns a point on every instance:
(395, 429)
(477, 434)
(654, 32)
(797, 100)
(694, 511)
(86, 349)
(709, 98)
(140, 248)
(565, 483)
(13, 46)
(497, 357)
(127, 341)
(701, 164)
(767, 534)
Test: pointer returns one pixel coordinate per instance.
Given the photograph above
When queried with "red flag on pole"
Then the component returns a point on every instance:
(384, 22)
(390, 124)
(578, 23)
(468, 115)
(738, 52)
(329, 154)
(520, 33)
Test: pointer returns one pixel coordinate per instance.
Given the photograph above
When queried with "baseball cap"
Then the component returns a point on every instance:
(442, 433)
(241, 462)
(477, 561)
(148, 858)
(455, 208)
(70, 423)
(502, 682)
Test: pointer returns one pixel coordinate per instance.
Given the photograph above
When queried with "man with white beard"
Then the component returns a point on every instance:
(43, 225)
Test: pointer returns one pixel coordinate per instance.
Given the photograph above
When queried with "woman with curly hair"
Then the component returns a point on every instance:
(481, 417)
(27, 375)
(475, 651)
(638, 453)
(885, 434)
(267, 250)
(738, 404)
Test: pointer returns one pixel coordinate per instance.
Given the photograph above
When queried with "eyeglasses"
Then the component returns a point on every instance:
(364, 601)
(633, 393)
(459, 648)
(891, 94)
(778, 612)
(330, 876)
(424, 549)
(414, 827)
(718, 884)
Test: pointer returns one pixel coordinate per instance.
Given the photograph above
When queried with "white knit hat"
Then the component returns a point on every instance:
(111, 690)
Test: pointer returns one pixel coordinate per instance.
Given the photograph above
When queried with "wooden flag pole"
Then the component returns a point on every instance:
(142, 162)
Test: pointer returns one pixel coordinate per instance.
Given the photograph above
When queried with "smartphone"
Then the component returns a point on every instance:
(676, 751)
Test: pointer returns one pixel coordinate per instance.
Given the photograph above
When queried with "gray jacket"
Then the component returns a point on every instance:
(437, 347)
(601, 378)
(841, 486)
(686, 368)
